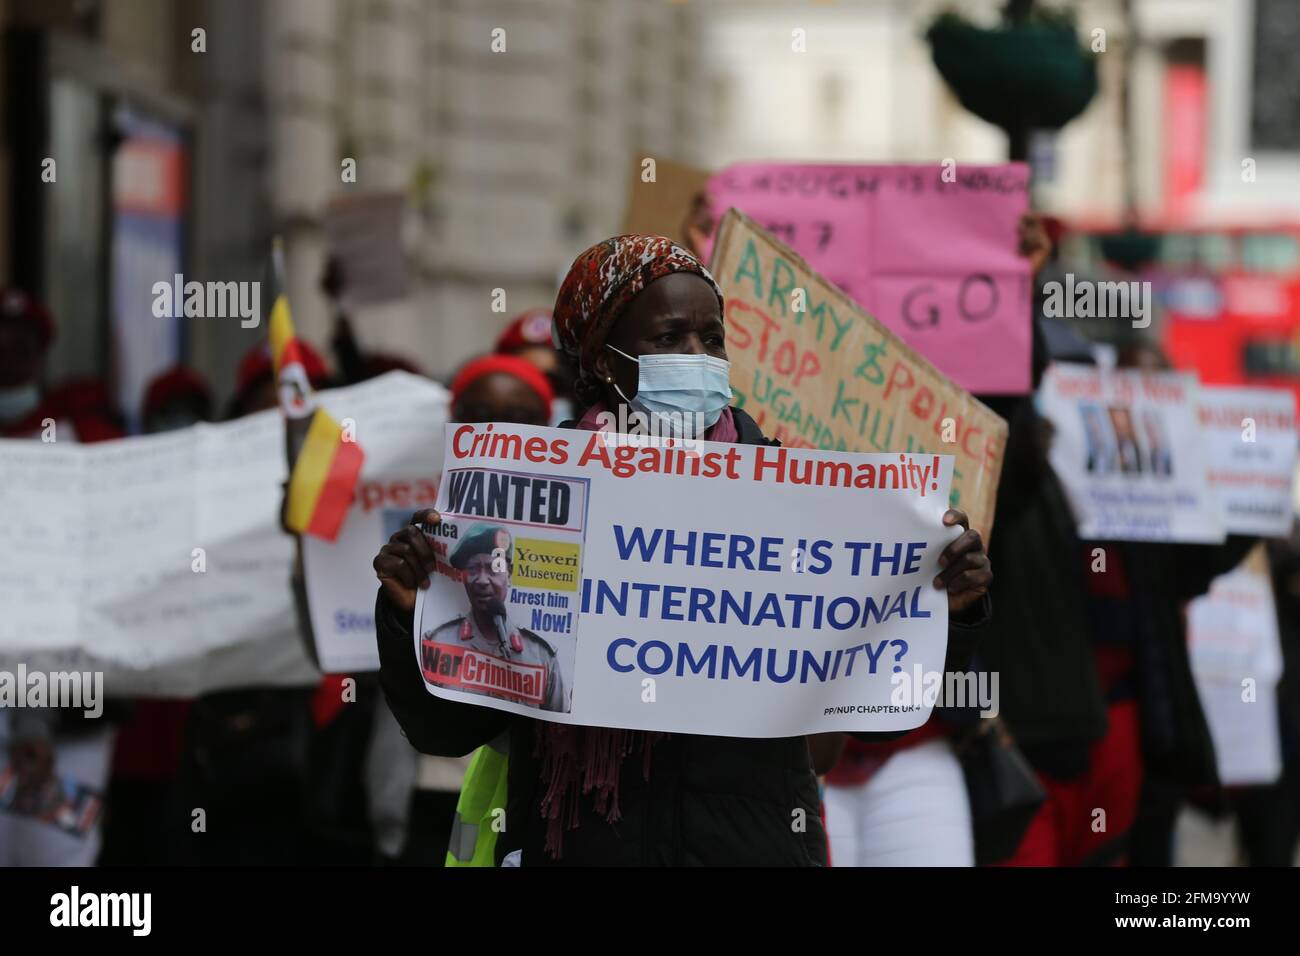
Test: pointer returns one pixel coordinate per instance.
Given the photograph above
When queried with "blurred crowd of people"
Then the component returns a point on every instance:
(1097, 694)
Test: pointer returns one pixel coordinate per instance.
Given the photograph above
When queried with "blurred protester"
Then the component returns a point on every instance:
(528, 337)
(145, 762)
(501, 388)
(1177, 752)
(86, 403)
(53, 752)
(904, 802)
(148, 750)
(337, 819)
(255, 380)
(463, 834)
(1040, 644)
(347, 353)
(177, 398)
(245, 756)
(81, 409)
(1268, 817)
(589, 795)
(332, 745)
(361, 765)
(243, 765)
(699, 224)
(1139, 352)
(1096, 684)
(26, 331)
(353, 364)
(376, 364)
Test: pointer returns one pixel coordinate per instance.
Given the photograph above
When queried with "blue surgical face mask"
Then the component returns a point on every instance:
(672, 389)
(18, 402)
(561, 411)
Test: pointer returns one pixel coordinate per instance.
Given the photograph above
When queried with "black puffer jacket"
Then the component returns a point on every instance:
(708, 801)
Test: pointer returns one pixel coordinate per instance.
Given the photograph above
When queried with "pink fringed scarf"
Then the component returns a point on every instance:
(587, 760)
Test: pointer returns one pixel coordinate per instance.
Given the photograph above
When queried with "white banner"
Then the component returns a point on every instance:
(1236, 657)
(160, 560)
(1250, 436)
(611, 581)
(1128, 449)
(147, 558)
(400, 427)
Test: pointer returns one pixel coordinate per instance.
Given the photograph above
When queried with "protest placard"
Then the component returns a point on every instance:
(1250, 438)
(64, 804)
(815, 370)
(660, 197)
(1236, 657)
(1129, 451)
(400, 424)
(609, 580)
(364, 233)
(930, 250)
(56, 819)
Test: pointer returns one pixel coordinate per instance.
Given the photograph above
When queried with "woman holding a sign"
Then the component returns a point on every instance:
(641, 321)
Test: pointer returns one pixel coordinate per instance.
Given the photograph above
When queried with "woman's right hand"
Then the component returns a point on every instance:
(404, 564)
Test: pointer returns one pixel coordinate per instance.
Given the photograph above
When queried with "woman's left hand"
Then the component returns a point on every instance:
(966, 572)
(1033, 242)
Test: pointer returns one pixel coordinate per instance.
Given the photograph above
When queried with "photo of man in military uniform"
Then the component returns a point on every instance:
(485, 555)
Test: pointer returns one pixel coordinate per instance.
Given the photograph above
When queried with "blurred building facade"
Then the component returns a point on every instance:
(158, 166)
(511, 127)
(1213, 85)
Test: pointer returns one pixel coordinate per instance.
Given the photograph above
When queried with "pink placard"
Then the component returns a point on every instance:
(930, 251)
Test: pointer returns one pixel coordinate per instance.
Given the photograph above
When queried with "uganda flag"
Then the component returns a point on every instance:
(324, 462)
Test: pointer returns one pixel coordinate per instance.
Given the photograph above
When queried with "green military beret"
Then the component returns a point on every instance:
(481, 539)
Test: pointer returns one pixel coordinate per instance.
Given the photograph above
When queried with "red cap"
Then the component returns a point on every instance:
(378, 363)
(83, 395)
(176, 382)
(531, 328)
(17, 305)
(512, 365)
(256, 365)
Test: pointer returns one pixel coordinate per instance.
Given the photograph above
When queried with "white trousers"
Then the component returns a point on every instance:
(912, 812)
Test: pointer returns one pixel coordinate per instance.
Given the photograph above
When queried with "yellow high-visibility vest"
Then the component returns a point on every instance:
(473, 834)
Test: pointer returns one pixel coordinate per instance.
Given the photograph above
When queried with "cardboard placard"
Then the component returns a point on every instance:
(364, 233)
(928, 249)
(1131, 454)
(1250, 437)
(662, 207)
(817, 371)
(1236, 657)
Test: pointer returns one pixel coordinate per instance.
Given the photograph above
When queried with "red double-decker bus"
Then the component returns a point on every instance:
(1229, 297)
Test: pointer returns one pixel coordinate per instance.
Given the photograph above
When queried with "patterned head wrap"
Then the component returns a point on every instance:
(604, 279)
